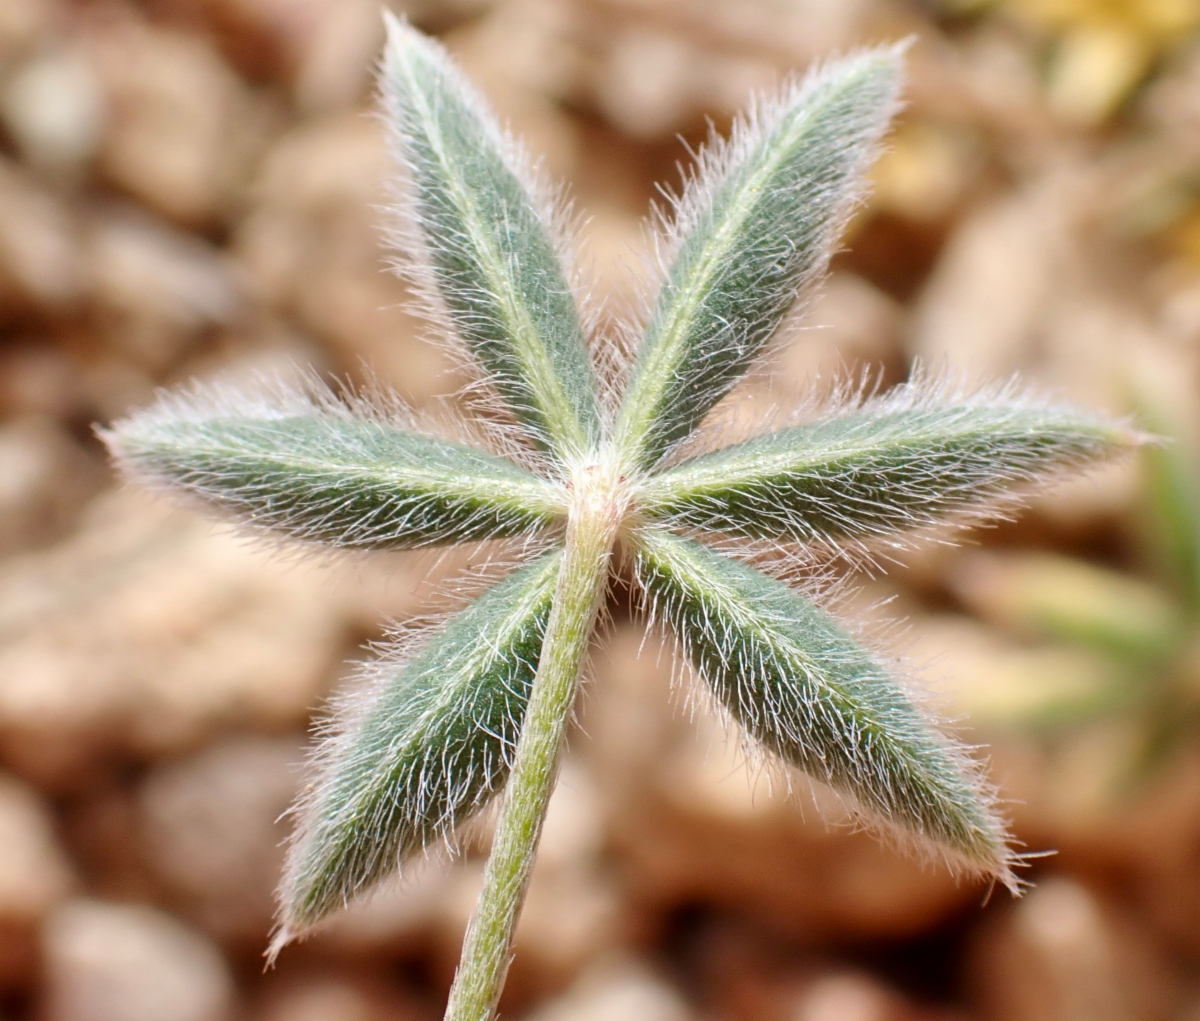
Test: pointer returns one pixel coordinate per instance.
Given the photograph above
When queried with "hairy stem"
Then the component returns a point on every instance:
(591, 531)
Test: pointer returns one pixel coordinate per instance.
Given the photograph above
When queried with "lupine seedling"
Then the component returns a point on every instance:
(603, 468)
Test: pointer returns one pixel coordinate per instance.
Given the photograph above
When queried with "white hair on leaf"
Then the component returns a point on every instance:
(308, 464)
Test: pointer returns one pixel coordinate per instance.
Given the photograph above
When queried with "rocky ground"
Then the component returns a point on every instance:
(192, 186)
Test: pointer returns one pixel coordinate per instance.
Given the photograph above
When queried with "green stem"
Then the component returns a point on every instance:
(581, 580)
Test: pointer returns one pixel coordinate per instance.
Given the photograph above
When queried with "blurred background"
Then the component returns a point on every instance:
(190, 186)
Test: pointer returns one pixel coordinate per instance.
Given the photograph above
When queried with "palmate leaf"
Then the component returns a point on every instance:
(807, 691)
(900, 464)
(430, 745)
(307, 468)
(755, 230)
(483, 703)
(483, 238)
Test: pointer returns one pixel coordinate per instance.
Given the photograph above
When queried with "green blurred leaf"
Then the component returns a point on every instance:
(1053, 596)
(1174, 492)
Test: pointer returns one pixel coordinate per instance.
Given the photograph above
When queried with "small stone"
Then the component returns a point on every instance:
(46, 479)
(399, 914)
(794, 34)
(112, 385)
(311, 249)
(646, 90)
(119, 962)
(1061, 953)
(611, 242)
(315, 185)
(335, 65)
(35, 875)
(849, 996)
(323, 50)
(1172, 99)
(852, 328)
(329, 1000)
(337, 997)
(39, 380)
(148, 629)
(212, 830)
(40, 268)
(1093, 342)
(158, 289)
(526, 57)
(24, 23)
(54, 108)
(996, 71)
(617, 990)
(655, 82)
(981, 309)
(183, 128)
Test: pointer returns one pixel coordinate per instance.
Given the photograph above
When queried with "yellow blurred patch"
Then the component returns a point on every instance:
(1185, 236)
(1094, 70)
(924, 172)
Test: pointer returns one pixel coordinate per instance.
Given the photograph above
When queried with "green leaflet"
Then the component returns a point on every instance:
(875, 472)
(1174, 492)
(431, 745)
(754, 240)
(494, 266)
(1048, 595)
(807, 691)
(338, 479)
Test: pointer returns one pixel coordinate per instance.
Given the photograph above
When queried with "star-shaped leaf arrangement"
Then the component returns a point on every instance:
(481, 705)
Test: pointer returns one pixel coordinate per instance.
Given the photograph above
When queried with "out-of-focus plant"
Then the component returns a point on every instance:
(597, 461)
(1146, 632)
